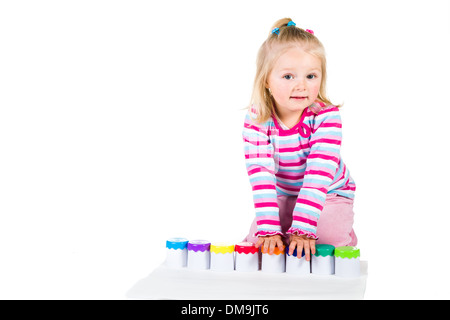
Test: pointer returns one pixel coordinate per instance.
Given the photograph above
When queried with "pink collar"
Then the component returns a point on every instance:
(300, 127)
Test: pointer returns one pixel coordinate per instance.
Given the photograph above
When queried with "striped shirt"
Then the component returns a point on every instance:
(303, 161)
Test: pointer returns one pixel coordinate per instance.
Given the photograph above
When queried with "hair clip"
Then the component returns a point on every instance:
(310, 31)
(291, 23)
(276, 30)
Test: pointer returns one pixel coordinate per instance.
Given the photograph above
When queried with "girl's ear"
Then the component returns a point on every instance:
(267, 82)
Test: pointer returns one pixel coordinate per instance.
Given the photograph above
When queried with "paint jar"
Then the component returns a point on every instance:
(347, 262)
(275, 262)
(322, 262)
(297, 266)
(246, 257)
(198, 254)
(222, 257)
(176, 252)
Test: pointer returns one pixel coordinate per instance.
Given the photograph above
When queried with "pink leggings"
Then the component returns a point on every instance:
(335, 225)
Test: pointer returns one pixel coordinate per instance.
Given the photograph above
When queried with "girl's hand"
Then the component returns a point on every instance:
(302, 243)
(270, 242)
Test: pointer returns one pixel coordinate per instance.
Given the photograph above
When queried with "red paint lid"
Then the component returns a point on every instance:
(245, 247)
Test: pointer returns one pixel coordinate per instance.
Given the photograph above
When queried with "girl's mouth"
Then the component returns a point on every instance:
(298, 98)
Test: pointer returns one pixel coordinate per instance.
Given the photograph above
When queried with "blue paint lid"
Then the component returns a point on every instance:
(294, 254)
(177, 243)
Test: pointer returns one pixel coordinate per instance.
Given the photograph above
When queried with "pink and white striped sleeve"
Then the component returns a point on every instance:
(261, 170)
(321, 166)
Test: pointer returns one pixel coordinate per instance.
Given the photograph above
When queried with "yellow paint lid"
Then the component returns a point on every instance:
(222, 247)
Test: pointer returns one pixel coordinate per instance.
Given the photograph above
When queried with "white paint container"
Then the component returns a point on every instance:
(198, 254)
(222, 257)
(275, 262)
(246, 258)
(347, 262)
(322, 262)
(176, 252)
(297, 266)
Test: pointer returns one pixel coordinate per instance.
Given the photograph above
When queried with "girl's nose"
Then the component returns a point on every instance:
(300, 85)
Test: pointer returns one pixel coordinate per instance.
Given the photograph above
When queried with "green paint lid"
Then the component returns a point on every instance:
(324, 250)
(347, 252)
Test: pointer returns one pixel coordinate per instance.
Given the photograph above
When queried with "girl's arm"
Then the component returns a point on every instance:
(261, 171)
(321, 167)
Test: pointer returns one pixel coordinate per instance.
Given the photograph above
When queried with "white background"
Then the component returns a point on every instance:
(120, 126)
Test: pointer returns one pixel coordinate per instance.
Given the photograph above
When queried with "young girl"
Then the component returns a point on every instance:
(302, 189)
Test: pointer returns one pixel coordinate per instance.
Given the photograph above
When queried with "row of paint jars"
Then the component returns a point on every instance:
(202, 255)
(327, 260)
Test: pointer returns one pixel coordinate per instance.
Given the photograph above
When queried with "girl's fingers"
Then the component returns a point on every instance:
(266, 245)
(292, 246)
(307, 248)
(313, 246)
(299, 249)
(259, 242)
(272, 246)
(280, 244)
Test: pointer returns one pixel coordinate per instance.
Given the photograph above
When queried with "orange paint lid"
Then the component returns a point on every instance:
(276, 251)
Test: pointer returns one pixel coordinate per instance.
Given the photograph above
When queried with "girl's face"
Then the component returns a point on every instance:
(294, 83)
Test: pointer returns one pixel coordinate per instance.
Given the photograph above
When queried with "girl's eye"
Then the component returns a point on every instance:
(288, 77)
(310, 76)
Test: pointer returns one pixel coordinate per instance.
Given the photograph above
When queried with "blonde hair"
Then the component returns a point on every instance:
(271, 49)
